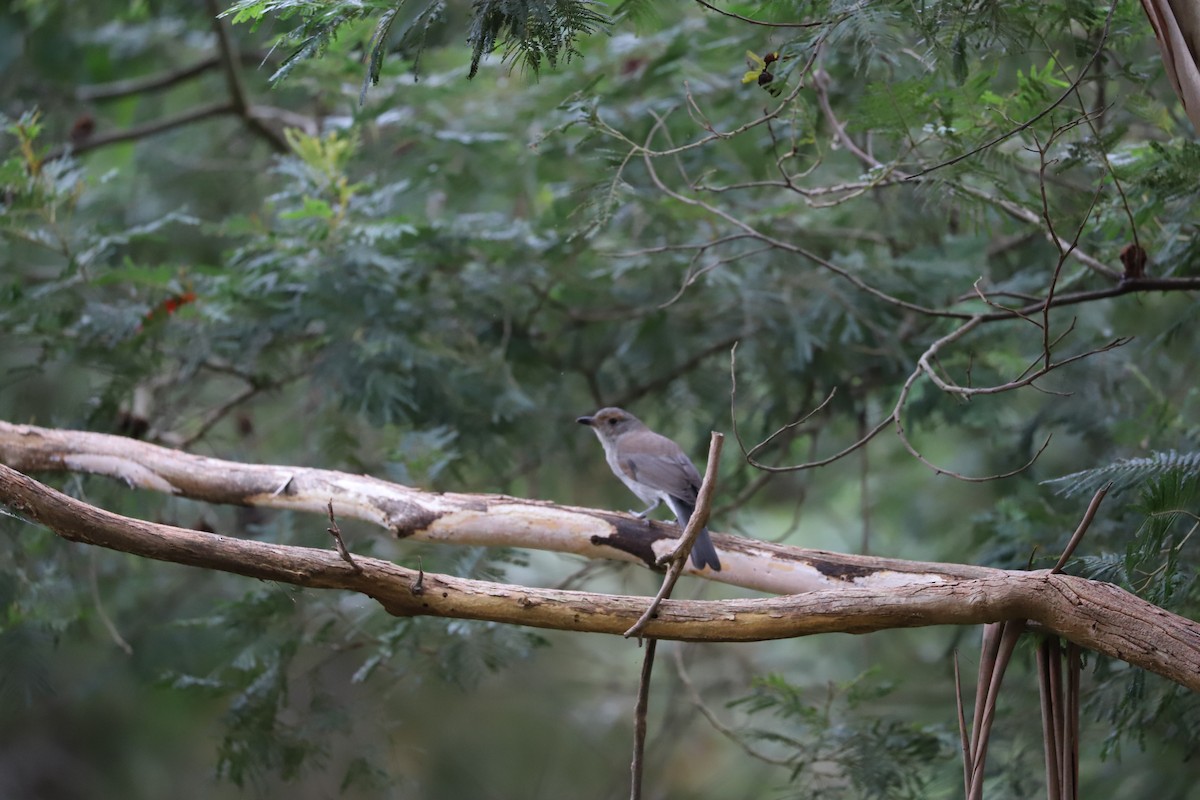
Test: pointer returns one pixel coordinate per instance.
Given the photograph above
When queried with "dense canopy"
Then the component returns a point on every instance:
(932, 267)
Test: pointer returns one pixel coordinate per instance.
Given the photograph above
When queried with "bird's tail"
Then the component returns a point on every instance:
(703, 552)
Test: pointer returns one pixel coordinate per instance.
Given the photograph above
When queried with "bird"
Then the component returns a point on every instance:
(655, 469)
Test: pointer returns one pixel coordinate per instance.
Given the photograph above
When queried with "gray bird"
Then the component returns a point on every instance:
(655, 469)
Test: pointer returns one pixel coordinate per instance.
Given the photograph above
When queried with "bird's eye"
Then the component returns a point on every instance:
(612, 420)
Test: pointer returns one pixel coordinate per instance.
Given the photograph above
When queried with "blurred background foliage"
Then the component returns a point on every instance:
(344, 253)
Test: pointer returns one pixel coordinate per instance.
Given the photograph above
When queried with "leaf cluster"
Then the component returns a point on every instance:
(839, 746)
(529, 31)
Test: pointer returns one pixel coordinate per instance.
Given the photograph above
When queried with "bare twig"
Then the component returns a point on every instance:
(114, 90)
(1023, 214)
(1063, 250)
(1090, 119)
(694, 695)
(864, 485)
(164, 80)
(788, 428)
(925, 366)
(143, 131)
(105, 619)
(336, 533)
(1084, 523)
(895, 176)
(665, 377)
(964, 739)
(820, 87)
(740, 18)
(779, 244)
(693, 275)
(229, 58)
(748, 454)
(581, 575)
(639, 721)
(698, 521)
(418, 586)
(1071, 751)
(1015, 312)
(255, 386)
(1004, 640)
(1050, 744)
(236, 104)
(896, 418)
(215, 415)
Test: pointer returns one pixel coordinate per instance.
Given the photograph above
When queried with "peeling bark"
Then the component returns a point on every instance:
(847, 594)
(463, 519)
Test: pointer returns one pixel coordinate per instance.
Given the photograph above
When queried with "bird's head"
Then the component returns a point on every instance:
(611, 423)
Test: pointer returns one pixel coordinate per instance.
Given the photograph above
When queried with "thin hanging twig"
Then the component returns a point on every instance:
(639, 722)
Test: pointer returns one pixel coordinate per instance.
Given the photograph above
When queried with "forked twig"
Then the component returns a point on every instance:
(678, 559)
(336, 533)
(696, 524)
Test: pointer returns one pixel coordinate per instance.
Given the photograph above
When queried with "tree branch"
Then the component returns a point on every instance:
(163, 80)
(1095, 615)
(230, 65)
(1032, 120)
(464, 519)
(740, 18)
(142, 131)
(150, 83)
(695, 524)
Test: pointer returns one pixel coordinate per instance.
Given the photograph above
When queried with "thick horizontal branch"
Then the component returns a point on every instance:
(464, 519)
(1098, 616)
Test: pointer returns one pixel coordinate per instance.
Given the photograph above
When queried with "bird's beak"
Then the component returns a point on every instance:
(586, 420)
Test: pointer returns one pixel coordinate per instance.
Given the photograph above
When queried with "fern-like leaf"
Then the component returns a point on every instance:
(1128, 472)
(531, 30)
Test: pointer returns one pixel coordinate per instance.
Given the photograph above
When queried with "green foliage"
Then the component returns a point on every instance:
(1144, 711)
(257, 739)
(875, 757)
(1126, 473)
(1153, 563)
(439, 276)
(1171, 171)
(415, 23)
(1172, 508)
(530, 31)
(1033, 92)
(1141, 544)
(1167, 175)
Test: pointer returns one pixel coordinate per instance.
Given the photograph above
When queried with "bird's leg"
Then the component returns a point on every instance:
(642, 514)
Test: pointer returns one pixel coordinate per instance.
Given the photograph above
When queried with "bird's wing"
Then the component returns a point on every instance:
(671, 473)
